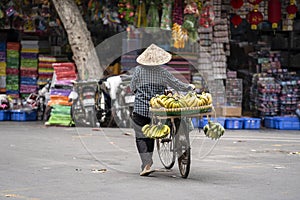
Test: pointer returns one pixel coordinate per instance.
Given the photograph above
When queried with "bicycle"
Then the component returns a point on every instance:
(177, 143)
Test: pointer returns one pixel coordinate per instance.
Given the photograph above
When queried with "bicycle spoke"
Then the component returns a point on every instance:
(166, 152)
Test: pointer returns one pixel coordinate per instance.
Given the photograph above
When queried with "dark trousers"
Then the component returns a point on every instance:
(145, 146)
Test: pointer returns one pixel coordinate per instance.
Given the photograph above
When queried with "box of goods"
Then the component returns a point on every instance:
(28, 80)
(12, 71)
(234, 123)
(2, 46)
(231, 111)
(269, 122)
(287, 123)
(23, 115)
(251, 123)
(13, 46)
(12, 62)
(64, 67)
(29, 55)
(29, 63)
(231, 74)
(13, 56)
(29, 73)
(27, 89)
(2, 56)
(4, 115)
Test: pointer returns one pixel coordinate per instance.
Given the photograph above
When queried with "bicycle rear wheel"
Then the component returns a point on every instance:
(183, 151)
(166, 150)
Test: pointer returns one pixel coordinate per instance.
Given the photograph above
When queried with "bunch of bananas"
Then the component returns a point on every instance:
(167, 101)
(213, 130)
(156, 131)
(191, 99)
(179, 36)
(196, 100)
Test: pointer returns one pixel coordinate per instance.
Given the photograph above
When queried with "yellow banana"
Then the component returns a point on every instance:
(190, 101)
(183, 103)
(145, 127)
(164, 99)
(195, 102)
(162, 96)
(167, 103)
(205, 99)
(159, 101)
(209, 97)
(156, 104)
(158, 132)
(146, 132)
(153, 131)
(166, 129)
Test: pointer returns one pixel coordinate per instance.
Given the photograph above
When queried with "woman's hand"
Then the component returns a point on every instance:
(192, 86)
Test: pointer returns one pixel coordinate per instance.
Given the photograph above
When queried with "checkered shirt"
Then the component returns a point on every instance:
(147, 81)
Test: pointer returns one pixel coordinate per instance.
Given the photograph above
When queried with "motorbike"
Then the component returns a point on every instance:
(103, 105)
(38, 101)
(123, 106)
(83, 104)
(114, 112)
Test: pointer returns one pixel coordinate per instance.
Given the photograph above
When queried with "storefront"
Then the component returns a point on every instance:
(232, 48)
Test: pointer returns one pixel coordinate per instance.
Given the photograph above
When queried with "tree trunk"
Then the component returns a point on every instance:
(84, 54)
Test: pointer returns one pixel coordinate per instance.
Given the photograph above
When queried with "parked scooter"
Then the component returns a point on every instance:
(103, 105)
(38, 101)
(123, 106)
(83, 106)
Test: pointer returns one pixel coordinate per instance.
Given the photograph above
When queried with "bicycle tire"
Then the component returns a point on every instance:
(166, 150)
(183, 150)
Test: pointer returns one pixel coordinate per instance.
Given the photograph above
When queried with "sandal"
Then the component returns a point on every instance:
(147, 170)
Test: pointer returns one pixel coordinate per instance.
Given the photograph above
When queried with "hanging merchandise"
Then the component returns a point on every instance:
(166, 21)
(179, 36)
(254, 17)
(110, 16)
(191, 14)
(153, 16)
(10, 11)
(29, 25)
(292, 9)
(141, 18)
(1, 14)
(254, 2)
(93, 7)
(126, 11)
(177, 12)
(236, 4)
(207, 15)
(236, 20)
(274, 12)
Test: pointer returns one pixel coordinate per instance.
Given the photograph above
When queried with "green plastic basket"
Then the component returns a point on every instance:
(181, 111)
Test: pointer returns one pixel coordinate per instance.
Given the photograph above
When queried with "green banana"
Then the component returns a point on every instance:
(213, 130)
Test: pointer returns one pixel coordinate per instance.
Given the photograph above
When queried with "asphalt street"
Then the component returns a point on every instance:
(69, 163)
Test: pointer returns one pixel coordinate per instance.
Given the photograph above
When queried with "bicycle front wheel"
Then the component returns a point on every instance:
(183, 151)
(166, 150)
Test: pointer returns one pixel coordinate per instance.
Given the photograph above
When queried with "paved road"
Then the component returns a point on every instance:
(59, 163)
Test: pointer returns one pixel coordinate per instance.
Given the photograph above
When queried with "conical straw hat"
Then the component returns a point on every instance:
(153, 56)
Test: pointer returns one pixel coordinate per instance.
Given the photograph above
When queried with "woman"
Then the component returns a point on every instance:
(149, 79)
